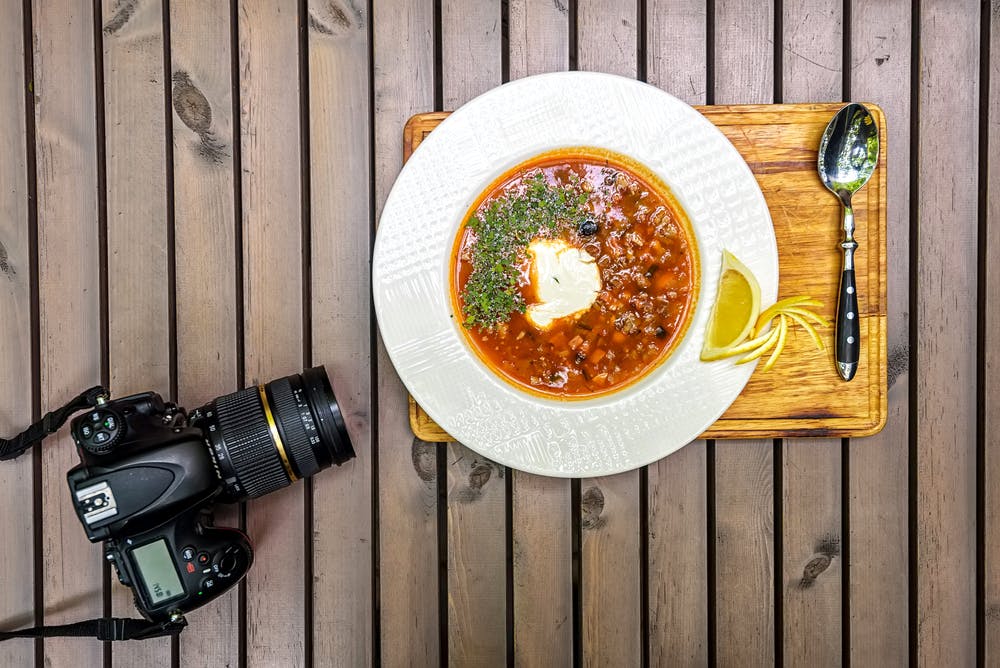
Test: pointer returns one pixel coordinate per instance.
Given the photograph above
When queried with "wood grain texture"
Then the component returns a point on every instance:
(272, 285)
(543, 577)
(205, 247)
(676, 61)
(676, 50)
(138, 285)
(678, 558)
(744, 481)
(811, 51)
(69, 303)
(878, 466)
(539, 37)
(744, 52)
(946, 333)
(542, 524)
(17, 550)
(470, 49)
(812, 584)
(339, 126)
(408, 543)
(477, 534)
(744, 553)
(611, 583)
(477, 557)
(991, 365)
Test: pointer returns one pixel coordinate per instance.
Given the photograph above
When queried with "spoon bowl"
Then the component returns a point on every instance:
(848, 154)
(848, 151)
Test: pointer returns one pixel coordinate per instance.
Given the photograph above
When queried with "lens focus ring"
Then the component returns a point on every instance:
(291, 417)
(248, 440)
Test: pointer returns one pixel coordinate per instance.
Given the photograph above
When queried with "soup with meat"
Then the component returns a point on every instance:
(575, 273)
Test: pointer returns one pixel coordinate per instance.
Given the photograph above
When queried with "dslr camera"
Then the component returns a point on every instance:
(150, 473)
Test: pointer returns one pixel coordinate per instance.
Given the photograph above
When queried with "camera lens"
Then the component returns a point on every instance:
(266, 437)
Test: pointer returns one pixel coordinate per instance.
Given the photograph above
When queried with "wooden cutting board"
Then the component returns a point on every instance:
(802, 395)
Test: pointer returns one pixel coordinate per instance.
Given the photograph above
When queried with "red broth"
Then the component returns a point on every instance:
(648, 263)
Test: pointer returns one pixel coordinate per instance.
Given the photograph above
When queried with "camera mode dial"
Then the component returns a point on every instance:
(99, 430)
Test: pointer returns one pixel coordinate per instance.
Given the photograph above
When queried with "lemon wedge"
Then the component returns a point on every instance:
(736, 325)
(734, 315)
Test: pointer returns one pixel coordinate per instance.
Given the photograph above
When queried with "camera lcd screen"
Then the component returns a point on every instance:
(156, 568)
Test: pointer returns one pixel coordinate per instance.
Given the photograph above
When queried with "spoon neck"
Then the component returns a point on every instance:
(848, 218)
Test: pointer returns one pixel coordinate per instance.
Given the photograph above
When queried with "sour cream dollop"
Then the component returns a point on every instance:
(565, 281)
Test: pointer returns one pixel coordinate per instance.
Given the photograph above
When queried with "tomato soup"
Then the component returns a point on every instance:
(575, 273)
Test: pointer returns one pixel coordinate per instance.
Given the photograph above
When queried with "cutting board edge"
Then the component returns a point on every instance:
(425, 429)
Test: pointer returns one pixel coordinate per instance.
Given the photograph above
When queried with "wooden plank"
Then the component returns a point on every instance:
(205, 247)
(678, 558)
(543, 578)
(138, 285)
(542, 526)
(676, 56)
(269, 97)
(744, 497)
(477, 534)
(342, 498)
(676, 61)
(991, 368)
(744, 561)
(946, 334)
(812, 584)
(408, 486)
(69, 303)
(611, 583)
(878, 466)
(744, 52)
(470, 50)
(17, 553)
(477, 557)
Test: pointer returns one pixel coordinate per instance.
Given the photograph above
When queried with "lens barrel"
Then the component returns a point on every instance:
(266, 437)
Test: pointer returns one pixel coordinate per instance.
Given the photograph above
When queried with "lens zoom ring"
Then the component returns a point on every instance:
(288, 414)
(248, 440)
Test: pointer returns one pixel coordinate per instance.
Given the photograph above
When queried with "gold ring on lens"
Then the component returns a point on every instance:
(274, 434)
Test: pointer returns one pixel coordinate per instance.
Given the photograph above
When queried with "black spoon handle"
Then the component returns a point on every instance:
(848, 327)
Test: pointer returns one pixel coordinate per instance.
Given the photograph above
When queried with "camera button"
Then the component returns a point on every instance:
(102, 437)
(204, 558)
(95, 417)
(207, 583)
(110, 423)
(187, 554)
(86, 431)
(228, 564)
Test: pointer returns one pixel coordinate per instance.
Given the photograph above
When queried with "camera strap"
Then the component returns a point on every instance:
(106, 628)
(49, 424)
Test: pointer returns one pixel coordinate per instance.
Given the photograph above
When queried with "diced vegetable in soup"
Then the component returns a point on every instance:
(575, 273)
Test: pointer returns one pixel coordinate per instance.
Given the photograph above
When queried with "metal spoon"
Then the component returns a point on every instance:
(848, 154)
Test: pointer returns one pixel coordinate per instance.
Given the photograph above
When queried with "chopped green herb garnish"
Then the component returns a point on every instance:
(502, 234)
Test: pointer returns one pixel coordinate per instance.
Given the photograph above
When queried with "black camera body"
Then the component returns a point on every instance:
(143, 485)
(149, 475)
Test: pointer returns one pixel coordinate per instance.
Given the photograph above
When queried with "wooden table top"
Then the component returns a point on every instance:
(188, 193)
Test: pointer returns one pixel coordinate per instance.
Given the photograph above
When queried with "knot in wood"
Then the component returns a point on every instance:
(424, 457)
(591, 507)
(813, 569)
(480, 475)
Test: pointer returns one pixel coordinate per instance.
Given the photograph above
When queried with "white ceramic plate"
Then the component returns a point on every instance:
(410, 273)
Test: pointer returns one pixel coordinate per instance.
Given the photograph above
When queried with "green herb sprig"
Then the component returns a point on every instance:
(502, 234)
